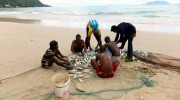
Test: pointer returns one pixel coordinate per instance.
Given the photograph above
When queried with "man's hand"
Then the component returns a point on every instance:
(91, 49)
(120, 47)
(65, 59)
(96, 48)
(85, 50)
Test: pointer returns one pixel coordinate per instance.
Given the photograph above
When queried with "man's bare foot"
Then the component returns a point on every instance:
(69, 67)
(47, 67)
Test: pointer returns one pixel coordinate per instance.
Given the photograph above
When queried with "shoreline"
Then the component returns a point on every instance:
(18, 20)
(158, 28)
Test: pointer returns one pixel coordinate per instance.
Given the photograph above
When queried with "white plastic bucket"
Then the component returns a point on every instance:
(61, 83)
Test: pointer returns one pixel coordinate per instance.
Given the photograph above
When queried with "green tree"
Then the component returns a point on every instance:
(21, 3)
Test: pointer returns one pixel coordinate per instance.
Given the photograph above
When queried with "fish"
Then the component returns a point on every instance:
(80, 80)
(85, 77)
(78, 72)
(71, 75)
(80, 76)
(72, 71)
(75, 76)
(79, 68)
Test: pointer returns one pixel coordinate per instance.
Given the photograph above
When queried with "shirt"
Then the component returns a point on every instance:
(90, 31)
(48, 55)
(124, 29)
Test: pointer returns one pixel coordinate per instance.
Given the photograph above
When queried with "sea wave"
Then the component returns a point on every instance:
(133, 11)
(88, 13)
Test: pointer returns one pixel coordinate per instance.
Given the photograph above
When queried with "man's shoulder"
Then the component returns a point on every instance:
(121, 24)
(49, 51)
(111, 42)
(82, 40)
(74, 41)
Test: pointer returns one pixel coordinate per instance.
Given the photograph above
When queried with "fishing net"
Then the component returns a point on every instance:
(39, 87)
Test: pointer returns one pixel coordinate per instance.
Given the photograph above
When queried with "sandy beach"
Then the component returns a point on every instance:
(22, 47)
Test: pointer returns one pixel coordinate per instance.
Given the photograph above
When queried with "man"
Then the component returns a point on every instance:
(126, 31)
(78, 45)
(112, 47)
(93, 27)
(103, 65)
(53, 55)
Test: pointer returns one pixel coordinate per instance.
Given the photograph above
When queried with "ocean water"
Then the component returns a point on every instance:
(158, 18)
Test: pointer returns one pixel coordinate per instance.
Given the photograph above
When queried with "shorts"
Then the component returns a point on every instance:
(116, 58)
(104, 75)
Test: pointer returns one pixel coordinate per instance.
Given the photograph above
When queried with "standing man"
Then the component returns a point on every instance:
(93, 27)
(126, 31)
(78, 45)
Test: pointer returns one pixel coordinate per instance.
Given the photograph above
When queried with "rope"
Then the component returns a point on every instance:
(144, 81)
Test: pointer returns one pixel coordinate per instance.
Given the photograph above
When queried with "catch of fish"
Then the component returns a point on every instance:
(82, 65)
(143, 53)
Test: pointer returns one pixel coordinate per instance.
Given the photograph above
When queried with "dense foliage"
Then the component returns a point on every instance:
(21, 3)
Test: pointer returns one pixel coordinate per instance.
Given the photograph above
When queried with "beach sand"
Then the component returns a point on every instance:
(22, 47)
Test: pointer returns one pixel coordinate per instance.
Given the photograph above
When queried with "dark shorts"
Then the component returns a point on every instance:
(104, 75)
(78, 49)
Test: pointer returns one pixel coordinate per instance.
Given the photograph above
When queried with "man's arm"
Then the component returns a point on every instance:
(88, 40)
(72, 47)
(117, 37)
(59, 56)
(121, 38)
(97, 58)
(123, 42)
(99, 42)
(84, 45)
(59, 53)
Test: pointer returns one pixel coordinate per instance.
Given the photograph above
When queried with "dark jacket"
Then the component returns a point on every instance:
(124, 29)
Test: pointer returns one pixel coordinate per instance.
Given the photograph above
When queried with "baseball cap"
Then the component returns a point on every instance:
(113, 28)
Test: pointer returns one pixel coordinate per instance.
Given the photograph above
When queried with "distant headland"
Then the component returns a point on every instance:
(157, 3)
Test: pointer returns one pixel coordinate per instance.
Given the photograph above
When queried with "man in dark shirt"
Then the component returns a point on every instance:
(126, 31)
(53, 55)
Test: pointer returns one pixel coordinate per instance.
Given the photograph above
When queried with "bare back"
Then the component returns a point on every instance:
(113, 48)
(105, 63)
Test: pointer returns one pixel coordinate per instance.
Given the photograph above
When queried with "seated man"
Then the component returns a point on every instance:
(78, 45)
(53, 55)
(112, 48)
(105, 68)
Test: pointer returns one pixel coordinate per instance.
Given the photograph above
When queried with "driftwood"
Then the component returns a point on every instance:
(167, 62)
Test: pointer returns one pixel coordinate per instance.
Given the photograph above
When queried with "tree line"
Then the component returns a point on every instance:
(21, 3)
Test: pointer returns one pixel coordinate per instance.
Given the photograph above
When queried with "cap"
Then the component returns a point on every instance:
(113, 28)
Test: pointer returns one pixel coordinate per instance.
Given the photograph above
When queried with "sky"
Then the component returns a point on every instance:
(103, 2)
